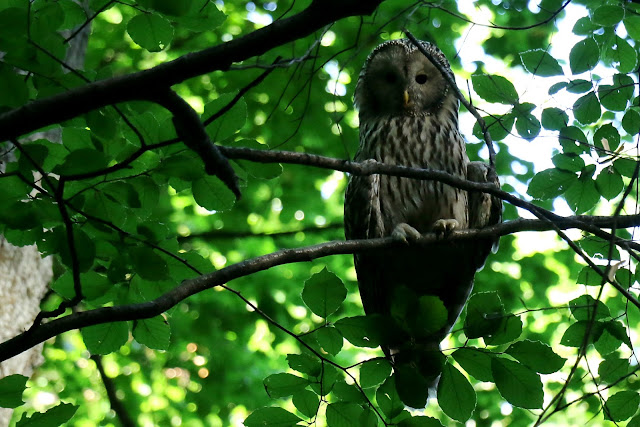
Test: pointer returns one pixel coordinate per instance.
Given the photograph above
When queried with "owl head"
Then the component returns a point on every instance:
(397, 79)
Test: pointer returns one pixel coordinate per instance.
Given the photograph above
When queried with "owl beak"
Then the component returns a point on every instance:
(407, 101)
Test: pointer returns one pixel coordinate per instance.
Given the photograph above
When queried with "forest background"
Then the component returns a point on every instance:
(174, 302)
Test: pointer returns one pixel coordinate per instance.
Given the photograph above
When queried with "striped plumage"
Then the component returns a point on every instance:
(408, 116)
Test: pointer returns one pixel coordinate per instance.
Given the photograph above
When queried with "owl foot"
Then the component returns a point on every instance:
(405, 233)
(444, 227)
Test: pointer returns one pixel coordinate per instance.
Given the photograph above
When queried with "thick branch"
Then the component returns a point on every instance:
(136, 86)
(192, 132)
(190, 287)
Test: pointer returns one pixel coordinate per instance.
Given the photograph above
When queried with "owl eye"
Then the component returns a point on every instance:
(421, 79)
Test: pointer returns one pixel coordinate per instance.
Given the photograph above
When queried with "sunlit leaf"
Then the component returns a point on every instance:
(456, 397)
(150, 31)
(622, 405)
(584, 56)
(518, 384)
(323, 293)
(276, 417)
(11, 389)
(494, 88)
(282, 385)
(540, 63)
(537, 356)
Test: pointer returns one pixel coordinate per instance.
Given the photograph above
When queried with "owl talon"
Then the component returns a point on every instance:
(444, 227)
(405, 233)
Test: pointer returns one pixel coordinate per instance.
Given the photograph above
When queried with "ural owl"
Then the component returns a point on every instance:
(409, 116)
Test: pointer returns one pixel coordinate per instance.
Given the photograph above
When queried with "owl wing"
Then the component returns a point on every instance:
(363, 220)
(484, 209)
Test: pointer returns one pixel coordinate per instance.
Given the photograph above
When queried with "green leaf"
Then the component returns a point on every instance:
(518, 384)
(587, 109)
(584, 27)
(305, 364)
(597, 247)
(634, 422)
(324, 385)
(82, 161)
(574, 336)
(230, 122)
(568, 162)
(573, 140)
(150, 31)
(475, 362)
(537, 356)
(93, 285)
(84, 246)
(625, 167)
(106, 337)
(431, 315)
(347, 393)
(494, 88)
(616, 97)
(550, 183)
(631, 122)
(582, 195)
(420, 421)
(343, 414)
(609, 183)
(13, 88)
(632, 25)
(148, 264)
(509, 330)
(11, 389)
(388, 399)
(484, 314)
(579, 86)
(211, 193)
(323, 293)
(56, 416)
(557, 87)
(612, 369)
(200, 17)
(606, 139)
(607, 15)
(283, 385)
(584, 56)
(540, 63)
(359, 331)
(499, 126)
(123, 193)
(330, 339)
(374, 372)
(411, 385)
(622, 56)
(273, 417)
(155, 332)
(527, 126)
(622, 405)
(456, 397)
(589, 277)
(307, 402)
(554, 118)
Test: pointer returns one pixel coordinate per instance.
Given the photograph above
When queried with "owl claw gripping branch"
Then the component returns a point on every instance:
(408, 116)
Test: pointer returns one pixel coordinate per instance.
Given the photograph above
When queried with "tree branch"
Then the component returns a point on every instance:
(193, 286)
(139, 85)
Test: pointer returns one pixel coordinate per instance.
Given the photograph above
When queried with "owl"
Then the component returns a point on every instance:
(409, 116)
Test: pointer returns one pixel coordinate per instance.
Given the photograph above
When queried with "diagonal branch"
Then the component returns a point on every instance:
(193, 286)
(137, 86)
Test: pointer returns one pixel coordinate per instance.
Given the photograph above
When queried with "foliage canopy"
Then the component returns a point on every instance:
(184, 304)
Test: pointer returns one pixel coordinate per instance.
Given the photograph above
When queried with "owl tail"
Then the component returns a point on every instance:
(417, 369)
